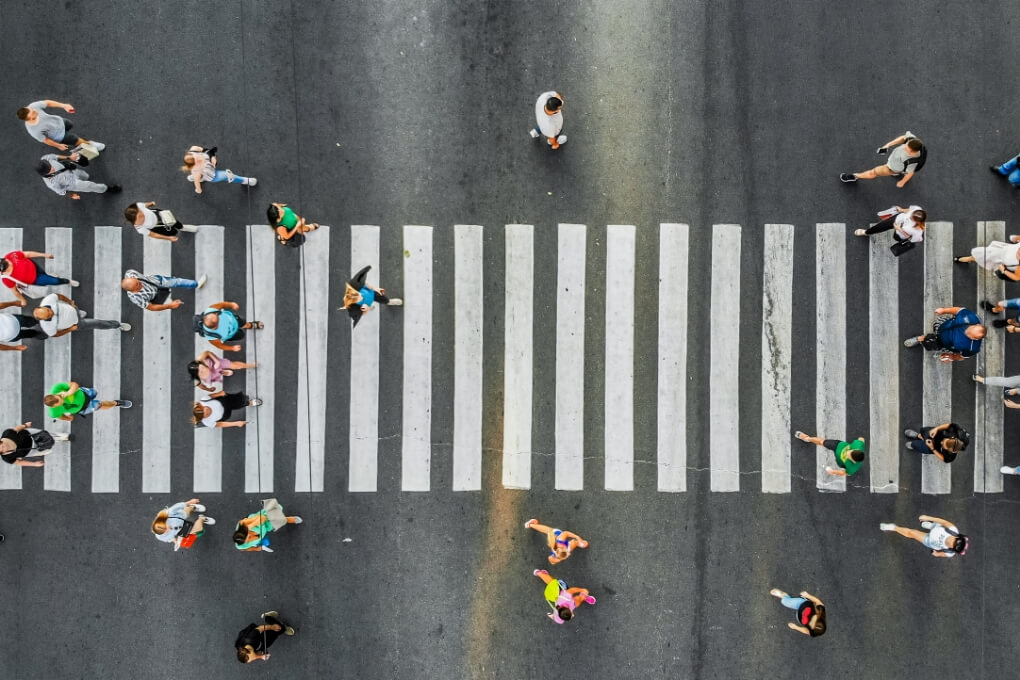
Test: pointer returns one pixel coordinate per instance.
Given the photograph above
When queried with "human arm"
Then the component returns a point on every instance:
(219, 344)
(64, 298)
(941, 553)
(13, 348)
(225, 305)
(10, 303)
(153, 307)
(29, 463)
(835, 472)
(937, 520)
(196, 173)
(232, 423)
(906, 178)
(1012, 276)
(798, 628)
(162, 237)
(811, 597)
(948, 310)
(69, 329)
(34, 254)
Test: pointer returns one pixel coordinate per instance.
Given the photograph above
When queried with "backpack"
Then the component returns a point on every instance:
(198, 325)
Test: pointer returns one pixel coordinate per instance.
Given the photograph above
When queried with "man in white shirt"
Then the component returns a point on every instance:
(549, 115)
(16, 327)
(58, 315)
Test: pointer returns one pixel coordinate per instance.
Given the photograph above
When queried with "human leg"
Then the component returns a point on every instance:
(544, 575)
(817, 441)
(790, 602)
(44, 279)
(175, 281)
(98, 324)
(542, 529)
(915, 534)
(885, 225)
(1012, 381)
(274, 629)
(84, 185)
(234, 401)
(358, 280)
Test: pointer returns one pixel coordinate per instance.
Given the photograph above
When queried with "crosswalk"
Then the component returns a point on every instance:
(350, 436)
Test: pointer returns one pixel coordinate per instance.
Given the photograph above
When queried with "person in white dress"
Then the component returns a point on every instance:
(997, 256)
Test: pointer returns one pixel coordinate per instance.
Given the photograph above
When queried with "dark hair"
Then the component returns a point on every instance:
(960, 545)
(565, 613)
(922, 216)
(952, 444)
(43, 168)
(242, 654)
(273, 215)
(857, 456)
(130, 213)
(3, 263)
(553, 103)
(193, 371)
(239, 535)
(915, 144)
(23, 113)
(197, 413)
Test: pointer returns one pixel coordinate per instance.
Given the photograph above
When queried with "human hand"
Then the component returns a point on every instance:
(364, 308)
(28, 423)
(381, 290)
(75, 156)
(21, 348)
(176, 303)
(235, 348)
(172, 239)
(235, 306)
(62, 147)
(68, 108)
(75, 197)
(882, 150)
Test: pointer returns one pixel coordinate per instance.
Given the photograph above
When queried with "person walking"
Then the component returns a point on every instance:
(810, 612)
(1010, 382)
(940, 536)
(19, 272)
(943, 441)
(175, 524)
(220, 324)
(200, 164)
(907, 158)
(1012, 325)
(52, 130)
(562, 599)
(58, 315)
(561, 543)
(149, 220)
(849, 455)
(549, 118)
(68, 399)
(63, 175)
(907, 225)
(998, 257)
(150, 291)
(1009, 170)
(254, 641)
(216, 409)
(17, 327)
(208, 370)
(359, 297)
(290, 228)
(252, 532)
(24, 445)
(956, 334)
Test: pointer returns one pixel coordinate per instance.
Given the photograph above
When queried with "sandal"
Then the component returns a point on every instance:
(255, 402)
(257, 325)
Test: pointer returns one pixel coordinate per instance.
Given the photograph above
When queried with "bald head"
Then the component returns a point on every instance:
(131, 284)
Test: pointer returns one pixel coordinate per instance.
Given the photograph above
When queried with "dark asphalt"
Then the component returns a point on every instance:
(395, 113)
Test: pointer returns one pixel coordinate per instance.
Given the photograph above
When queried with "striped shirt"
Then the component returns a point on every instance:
(149, 291)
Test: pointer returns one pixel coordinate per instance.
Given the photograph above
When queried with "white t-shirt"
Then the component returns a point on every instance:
(9, 328)
(550, 126)
(938, 536)
(64, 315)
(150, 219)
(215, 411)
(905, 223)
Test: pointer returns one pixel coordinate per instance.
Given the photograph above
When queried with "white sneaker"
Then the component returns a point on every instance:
(73, 283)
(860, 232)
(202, 280)
(1007, 470)
(887, 526)
(266, 548)
(125, 326)
(534, 133)
(252, 182)
(562, 139)
(395, 302)
(99, 145)
(61, 436)
(209, 521)
(927, 525)
(189, 227)
(298, 520)
(199, 507)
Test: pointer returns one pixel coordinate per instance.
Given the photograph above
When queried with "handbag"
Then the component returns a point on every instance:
(900, 247)
(87, 150)
(166, 218)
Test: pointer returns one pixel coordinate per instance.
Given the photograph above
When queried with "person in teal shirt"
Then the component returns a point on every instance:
(849, 455)
(220, 324)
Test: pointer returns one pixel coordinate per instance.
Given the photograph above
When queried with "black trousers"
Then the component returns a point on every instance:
(885, 225)
(231, 402)
(29, 328)
(358, 282)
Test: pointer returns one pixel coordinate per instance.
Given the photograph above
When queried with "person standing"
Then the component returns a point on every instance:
(1009, 170)
(998, 256)
(810, 612)
(252, 532)
(148, 220)
(150, 291)
(68, 399)
(359, 297)
(562, 599)
(254, 641)
(549, 116)
(200, 164)
(906, 159)
(52, 130)
(290, 228)
(18, 272)
(943, 441)
(59, 315)
(24, 445)
(215, 409)
(849, 456)
(956, 333)
(942, 537)
(220, 324)
(174, 524)
(208, 370)
(561, 543)
(17, 327)
(64, 177)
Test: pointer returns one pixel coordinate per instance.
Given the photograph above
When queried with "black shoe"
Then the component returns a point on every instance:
(847, 177)
(113, 189)
(1000, 323)
(988, 307)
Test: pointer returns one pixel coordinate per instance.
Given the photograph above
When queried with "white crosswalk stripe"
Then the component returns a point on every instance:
(319, 289)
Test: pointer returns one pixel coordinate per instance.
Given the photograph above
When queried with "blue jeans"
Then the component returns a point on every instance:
(44, 279)
(91, 401)
(1012, 303)
(175, 282)
(1009, 169)
(793, 603)
(221, 176)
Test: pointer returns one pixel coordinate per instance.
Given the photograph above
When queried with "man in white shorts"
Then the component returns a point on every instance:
(549, 114)
(58, 315)
(908, 156)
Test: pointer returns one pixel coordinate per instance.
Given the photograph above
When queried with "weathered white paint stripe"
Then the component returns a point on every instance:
(885, 346)
(672, 371)
(208, 441)
(619, 363)
(312, 361)
(776, 357)
(570, 357)
(416, 446)
(260, 346)
(155, 397)
(106, 361)
(57, 363)
(364, 401)
(518, 356)
(10, 369)
(830, 349)
(988, 411)
(937, 391)
(467, 357)
(724, 388)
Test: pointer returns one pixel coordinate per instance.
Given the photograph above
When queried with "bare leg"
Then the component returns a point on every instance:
(548, 531)
(911, 533)
(544, 575)
(238, 365)
(103, 405)
(817, 441)
(877, 171)
(198, 526)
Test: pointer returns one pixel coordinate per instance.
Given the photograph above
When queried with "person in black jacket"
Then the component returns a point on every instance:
(254, 641)
(943, 441)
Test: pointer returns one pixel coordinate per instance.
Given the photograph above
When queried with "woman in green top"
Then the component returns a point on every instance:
(290, 228)
(849, 455)
(68, 399)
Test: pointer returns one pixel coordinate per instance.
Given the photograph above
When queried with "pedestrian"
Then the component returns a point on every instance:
(998, 257)
(19, 272)
(24, 445)
(907, 225)
(200, 164)
(1011, 325)
(254, 641)
(290, 228)
(220, 324)
(562, 599)
(549, 116)
(906, 159)
(64, 174)
(1008, 382)
(359, 297)
(1010, 392)
(561, 543)
(175, 524)
(943, 441)
(942, 537)
(810, 612)
(208, 370)
(956, 334)
(150, 291)
(849, 455)
(59, 315)
(52, 130)
(1009, 170)
(251, 533)
(16, 327)
(216, 409)
(68, 399)
(149, 220)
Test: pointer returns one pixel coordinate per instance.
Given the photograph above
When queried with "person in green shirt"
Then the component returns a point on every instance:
(290, 228)
(849, 455)
(67, 399)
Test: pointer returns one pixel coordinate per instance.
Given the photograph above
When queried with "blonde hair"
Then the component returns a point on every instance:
(189, 162)
(350, 296)
(197, 413)
(159, 524)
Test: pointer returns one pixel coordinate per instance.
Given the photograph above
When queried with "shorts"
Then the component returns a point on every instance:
(69, 139)
(91, 403)
(831, 444)
(239, 335)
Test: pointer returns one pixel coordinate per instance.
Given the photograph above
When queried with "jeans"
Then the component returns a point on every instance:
(44, 279)
(793, 603)
(221, 176)
(175, 282)
(1009, 170)
(1012, 303)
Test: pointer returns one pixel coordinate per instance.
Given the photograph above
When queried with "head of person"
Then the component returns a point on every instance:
(245, 654)
(351, 297)
(959, 544)
(564, 613)
(274, 213)
(211, 320)
(5, 264)
(159, 524)
(44, 168)
(915, 145)
(857, 456)
(952, 444)
(919, 217)
(240, 534)
(28, 115)
(199, 413)
(562, 551)
(975, 331)
(42, 313)
(131, 284)
(131, 213)
(52, 400)
(189, 162)
(553, 104)
(193, 367)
